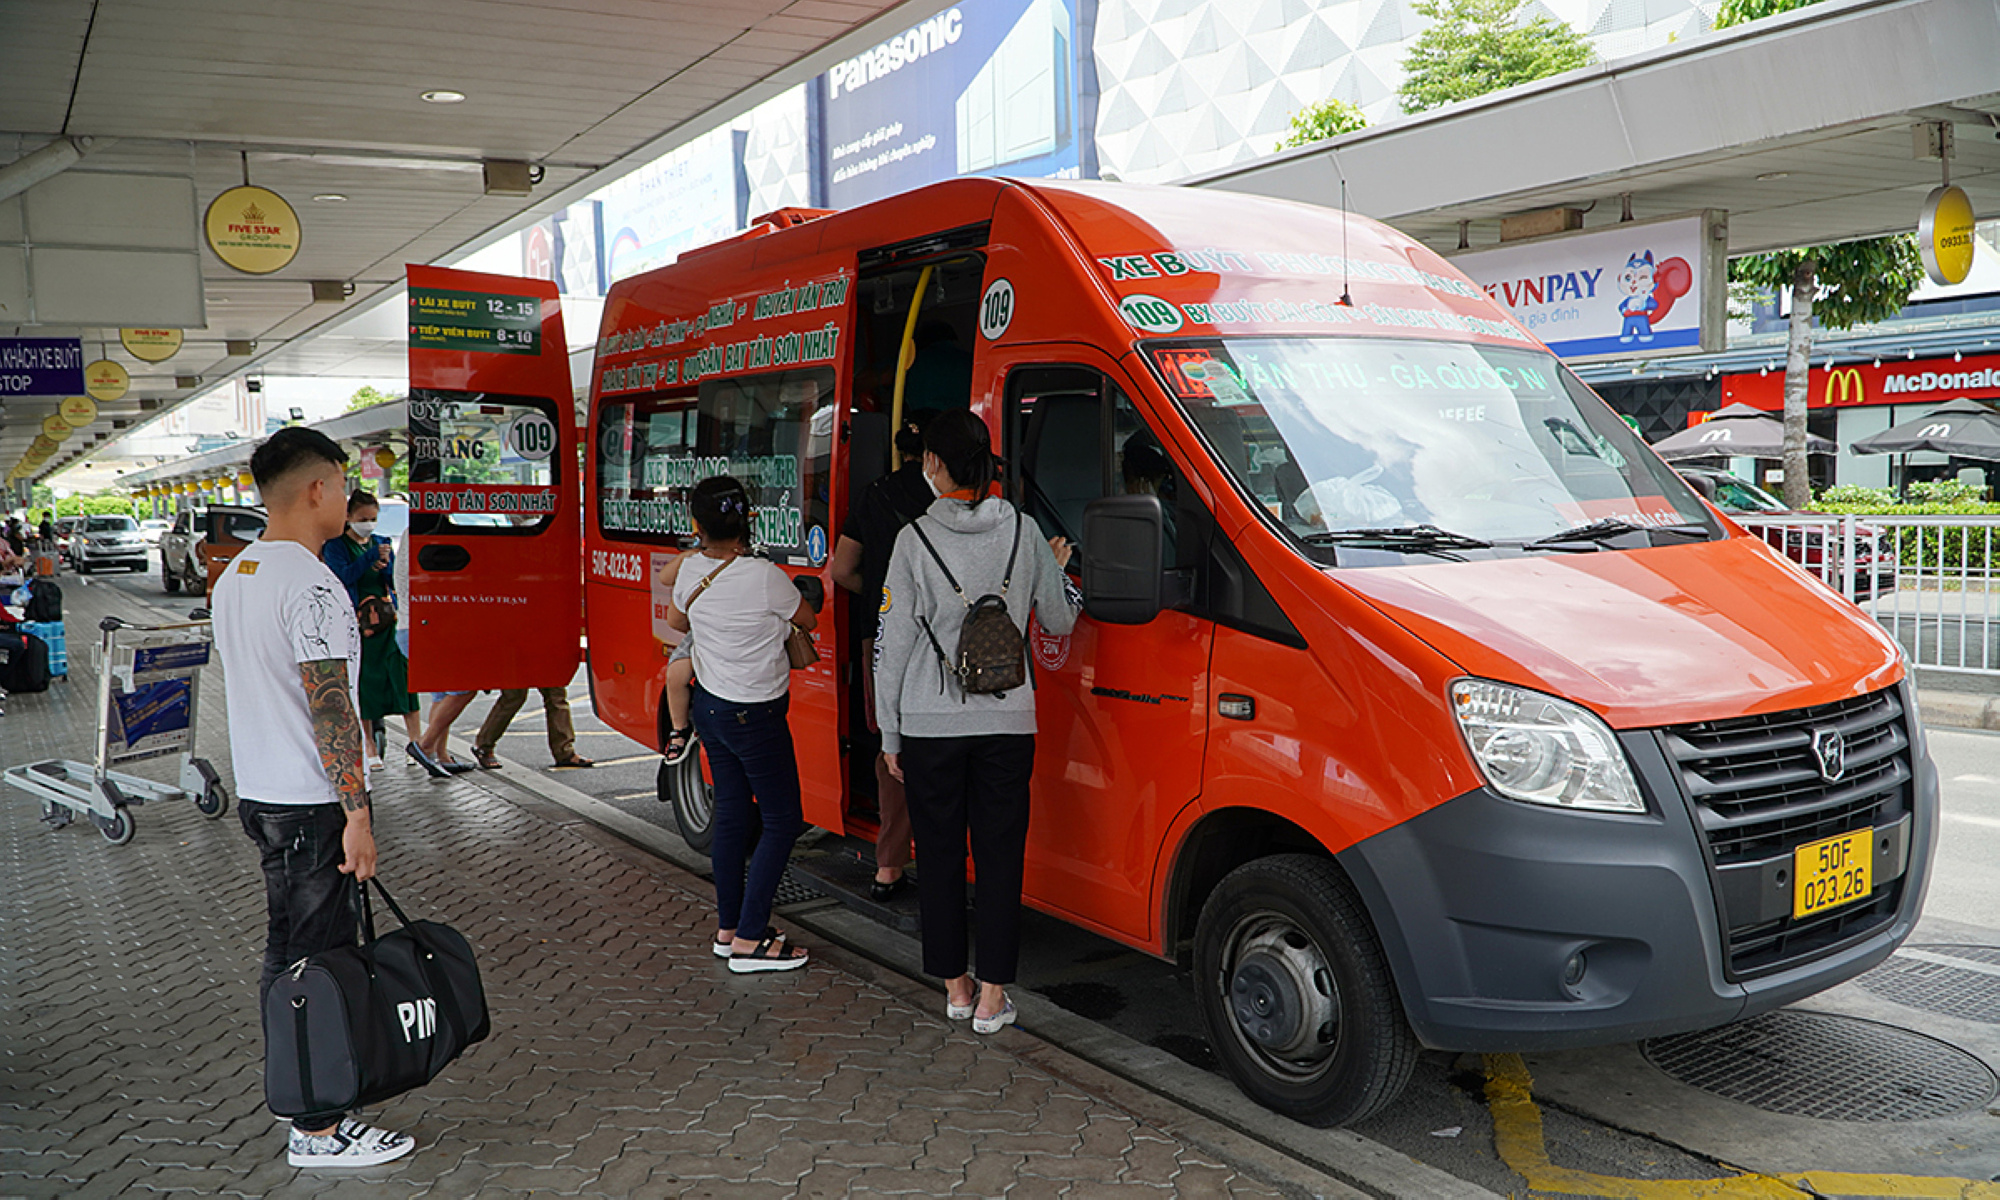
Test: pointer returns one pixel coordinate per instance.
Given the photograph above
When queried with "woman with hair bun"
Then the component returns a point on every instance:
(740, 610)
(965, 759)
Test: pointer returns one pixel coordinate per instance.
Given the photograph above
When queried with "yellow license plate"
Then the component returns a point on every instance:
(1831, 873)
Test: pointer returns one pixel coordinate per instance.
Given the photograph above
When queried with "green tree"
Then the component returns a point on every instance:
(1318, 122)
(367, 397)
(1840, 286)
(1478, 46)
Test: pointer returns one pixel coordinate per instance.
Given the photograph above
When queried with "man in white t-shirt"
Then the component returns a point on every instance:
(291, 661)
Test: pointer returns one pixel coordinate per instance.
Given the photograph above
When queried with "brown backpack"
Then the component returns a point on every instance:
(992, 658)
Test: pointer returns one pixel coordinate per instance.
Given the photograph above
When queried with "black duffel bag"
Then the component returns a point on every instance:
(355, 1026)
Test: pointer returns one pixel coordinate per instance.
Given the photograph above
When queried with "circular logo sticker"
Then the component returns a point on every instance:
(77, 411)
(106, 380)
(151, 345)
(1149, 313)
(816, 545)
(1051, 649)
(996, 309)
(252, 229)
(532, 436)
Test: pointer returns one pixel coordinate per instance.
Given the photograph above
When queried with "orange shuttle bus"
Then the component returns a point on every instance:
(1416, 701)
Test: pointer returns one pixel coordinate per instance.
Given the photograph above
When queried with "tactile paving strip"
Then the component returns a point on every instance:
(1826, 1067)
(1918, 980)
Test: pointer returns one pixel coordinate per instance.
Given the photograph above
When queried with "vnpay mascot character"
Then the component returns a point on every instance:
(1636, 281)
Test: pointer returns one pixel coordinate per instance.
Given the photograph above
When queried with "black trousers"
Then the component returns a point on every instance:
(309, 904)
(976, 786)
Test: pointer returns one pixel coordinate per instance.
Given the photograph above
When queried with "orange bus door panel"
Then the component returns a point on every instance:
(495, 561)
(1122, 715)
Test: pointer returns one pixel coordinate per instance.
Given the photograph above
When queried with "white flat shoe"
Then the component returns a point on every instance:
(998, 1021)
(958, 1012)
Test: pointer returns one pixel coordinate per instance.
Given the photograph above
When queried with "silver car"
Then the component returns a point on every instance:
(109, 541)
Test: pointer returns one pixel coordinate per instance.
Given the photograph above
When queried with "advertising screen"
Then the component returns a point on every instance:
(979, 89)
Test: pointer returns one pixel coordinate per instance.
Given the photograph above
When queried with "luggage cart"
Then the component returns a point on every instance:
(146, 708)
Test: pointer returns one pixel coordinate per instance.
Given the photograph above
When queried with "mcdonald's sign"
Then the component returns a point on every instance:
(1844, 385)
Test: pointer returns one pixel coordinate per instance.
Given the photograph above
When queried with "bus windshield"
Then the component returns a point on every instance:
(1333, 435)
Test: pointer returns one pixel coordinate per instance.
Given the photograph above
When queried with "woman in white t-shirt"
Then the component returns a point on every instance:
(740, 610)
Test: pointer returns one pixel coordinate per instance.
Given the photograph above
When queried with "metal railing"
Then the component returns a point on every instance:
(1930, 581)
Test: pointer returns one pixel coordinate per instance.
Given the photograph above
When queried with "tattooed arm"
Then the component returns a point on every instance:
(337, 732)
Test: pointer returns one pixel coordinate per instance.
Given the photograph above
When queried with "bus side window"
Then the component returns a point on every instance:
(1073, 437)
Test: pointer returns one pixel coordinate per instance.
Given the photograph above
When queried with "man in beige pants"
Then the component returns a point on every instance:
(562, 729)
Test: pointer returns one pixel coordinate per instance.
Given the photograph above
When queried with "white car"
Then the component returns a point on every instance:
(109, 541)
(153, 527)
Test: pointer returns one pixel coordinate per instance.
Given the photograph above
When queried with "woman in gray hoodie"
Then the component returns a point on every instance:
(965, 759)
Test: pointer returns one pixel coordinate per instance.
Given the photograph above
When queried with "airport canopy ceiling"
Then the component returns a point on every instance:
(327, 100)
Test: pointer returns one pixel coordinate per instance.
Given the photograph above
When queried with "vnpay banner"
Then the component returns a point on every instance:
(980, 88)
(1636, 288)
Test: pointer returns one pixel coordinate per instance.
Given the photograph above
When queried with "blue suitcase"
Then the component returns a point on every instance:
(51, 633)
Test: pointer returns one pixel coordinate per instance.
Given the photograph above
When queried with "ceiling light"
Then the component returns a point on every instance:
(1766, 177)
(442, 96)
(330, 198)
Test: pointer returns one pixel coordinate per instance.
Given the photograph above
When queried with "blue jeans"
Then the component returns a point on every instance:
(309, 905)
(756, 773)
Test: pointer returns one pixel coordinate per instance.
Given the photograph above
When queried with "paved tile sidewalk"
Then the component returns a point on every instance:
(625, 1060)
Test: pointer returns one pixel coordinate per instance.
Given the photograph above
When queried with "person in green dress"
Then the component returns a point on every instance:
(365, 563)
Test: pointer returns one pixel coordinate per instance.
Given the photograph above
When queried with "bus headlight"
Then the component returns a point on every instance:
(1543, 750)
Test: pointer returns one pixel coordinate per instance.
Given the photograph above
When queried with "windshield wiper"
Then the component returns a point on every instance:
(1406, 539)
(1600, 532)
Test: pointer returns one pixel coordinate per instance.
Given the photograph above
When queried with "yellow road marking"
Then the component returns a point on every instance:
(1517, 1135)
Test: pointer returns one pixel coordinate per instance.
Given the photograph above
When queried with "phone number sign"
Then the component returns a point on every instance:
(482, 322)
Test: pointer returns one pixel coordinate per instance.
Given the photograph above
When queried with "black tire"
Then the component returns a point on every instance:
(119, 829)
(682, 788)
(1296, 993)
(213, 801)
(167, 576)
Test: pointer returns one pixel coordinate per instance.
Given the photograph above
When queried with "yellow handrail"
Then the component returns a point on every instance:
(904, 358)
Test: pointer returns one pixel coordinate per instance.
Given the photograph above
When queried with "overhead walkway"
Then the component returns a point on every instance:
(1798, 126)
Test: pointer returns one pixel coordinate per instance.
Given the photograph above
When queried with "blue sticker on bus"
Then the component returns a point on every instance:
(816, 545)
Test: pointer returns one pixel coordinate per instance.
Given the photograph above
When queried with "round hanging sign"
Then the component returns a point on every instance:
(1944, 235)
(78, 411)
(151, 345)
(253, 230)
(106, 380)
(54, 427)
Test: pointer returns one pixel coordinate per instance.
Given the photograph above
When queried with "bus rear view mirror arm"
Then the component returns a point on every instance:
(1123, 550)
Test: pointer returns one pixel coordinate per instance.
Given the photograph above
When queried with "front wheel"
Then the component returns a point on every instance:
(213, 800)
(682, 788)
(1296, 993)
(117, 828)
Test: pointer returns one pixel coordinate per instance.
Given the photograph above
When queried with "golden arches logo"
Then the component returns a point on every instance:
(1845, 386)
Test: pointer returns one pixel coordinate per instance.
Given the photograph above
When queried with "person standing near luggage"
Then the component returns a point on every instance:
(740, 610)
(860, 565)
(965, 759)
(291, 660)
(366, 565)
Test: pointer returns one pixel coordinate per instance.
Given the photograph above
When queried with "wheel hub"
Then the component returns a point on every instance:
(1282, 996)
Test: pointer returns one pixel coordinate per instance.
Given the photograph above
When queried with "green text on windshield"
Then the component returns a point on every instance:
(1337, 434)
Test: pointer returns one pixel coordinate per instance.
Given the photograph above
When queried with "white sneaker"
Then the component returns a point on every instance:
(351, 1144)
(374, 763)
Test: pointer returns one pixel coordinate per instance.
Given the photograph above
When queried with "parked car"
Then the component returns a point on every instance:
(65, 526)
(1801, 536)
(153, 527)
(202, 539)
(107, 541)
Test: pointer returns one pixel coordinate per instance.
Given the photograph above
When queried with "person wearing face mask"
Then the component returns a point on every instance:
(366, 565)
(965, 759)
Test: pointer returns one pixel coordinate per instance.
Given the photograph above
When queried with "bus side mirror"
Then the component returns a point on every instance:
(1123, 551)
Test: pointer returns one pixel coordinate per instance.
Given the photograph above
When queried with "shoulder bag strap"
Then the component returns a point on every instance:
(701, 587)
(1011, 555)
(918, 525)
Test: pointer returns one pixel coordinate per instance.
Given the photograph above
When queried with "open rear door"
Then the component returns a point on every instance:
(495, 546)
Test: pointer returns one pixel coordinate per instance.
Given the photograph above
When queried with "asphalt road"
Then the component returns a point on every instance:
(1602, 1122)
